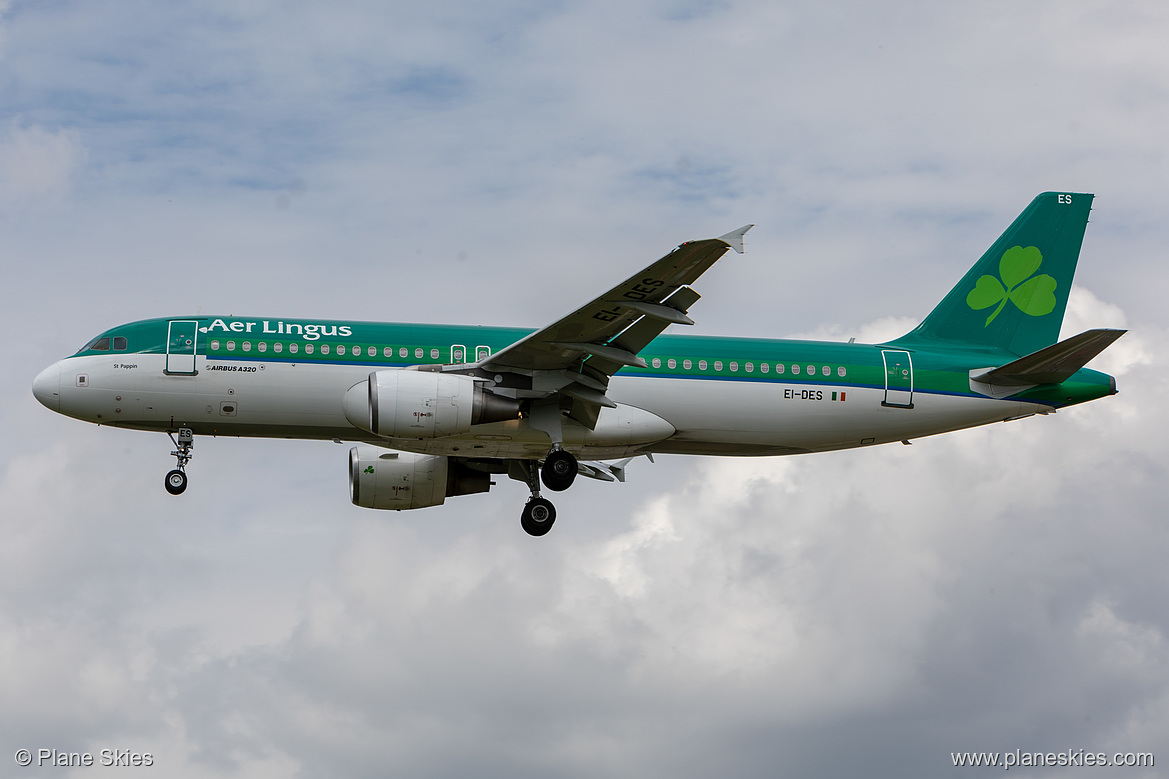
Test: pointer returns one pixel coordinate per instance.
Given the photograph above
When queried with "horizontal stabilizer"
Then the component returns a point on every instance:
(598, 471)
(607, 471)
(1052, 365)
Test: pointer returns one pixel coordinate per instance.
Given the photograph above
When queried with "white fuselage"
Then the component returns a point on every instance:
(654, 414)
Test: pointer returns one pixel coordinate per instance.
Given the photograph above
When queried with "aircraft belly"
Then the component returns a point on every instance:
(620, 432)
(759, 418)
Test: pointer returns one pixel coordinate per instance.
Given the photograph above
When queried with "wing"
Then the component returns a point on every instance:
(609, 331)
(574, 357)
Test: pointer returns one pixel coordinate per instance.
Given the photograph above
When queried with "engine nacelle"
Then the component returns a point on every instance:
(423, 404)
(384, 479)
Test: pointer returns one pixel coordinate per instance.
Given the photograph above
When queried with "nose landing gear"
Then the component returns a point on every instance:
(176, 480)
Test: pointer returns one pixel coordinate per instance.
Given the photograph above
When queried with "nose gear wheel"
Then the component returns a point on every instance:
(176, 480)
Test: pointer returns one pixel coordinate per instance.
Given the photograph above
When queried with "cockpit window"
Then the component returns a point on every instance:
(119, 344)
(98, 345)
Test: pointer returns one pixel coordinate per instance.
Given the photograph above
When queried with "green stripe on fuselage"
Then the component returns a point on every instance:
(935, 371)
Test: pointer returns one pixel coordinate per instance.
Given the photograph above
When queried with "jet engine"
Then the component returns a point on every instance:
(383, 479)
(423, 404)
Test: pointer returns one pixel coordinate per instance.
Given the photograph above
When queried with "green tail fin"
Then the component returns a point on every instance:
(1014, 298)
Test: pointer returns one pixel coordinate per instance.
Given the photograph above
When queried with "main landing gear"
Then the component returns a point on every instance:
(176, 480)
(559, 470)
(558, 473)
(538, 516)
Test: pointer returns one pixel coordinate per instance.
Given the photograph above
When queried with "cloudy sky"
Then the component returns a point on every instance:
(852, 614)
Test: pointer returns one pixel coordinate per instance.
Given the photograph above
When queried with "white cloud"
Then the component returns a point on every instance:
(38, 165)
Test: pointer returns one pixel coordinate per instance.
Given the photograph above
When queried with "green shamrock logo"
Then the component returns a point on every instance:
(369, 469)
(1034, 295)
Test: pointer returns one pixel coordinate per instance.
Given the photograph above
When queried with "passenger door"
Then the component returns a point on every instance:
(898, 379)
(181, 340)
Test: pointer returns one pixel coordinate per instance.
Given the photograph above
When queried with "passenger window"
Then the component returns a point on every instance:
(308, 349)
(231, 346)
(672, 363)
(779, 368)
(702, 365)
(293, 348)
(388, 351)
(734, 365)
(826, 371)
(657, 363)
(811, 370)
(262, 346)
(247, 346)
(686, 364)
(763, 367)
(434, 354)
(749, 367)
(841, 372)
(277, 347)
(417, 354)
(340, 349)
(403, 352)
(795, 370)
(718, 365)
(324, 349)
(215, 345)
(482, 353)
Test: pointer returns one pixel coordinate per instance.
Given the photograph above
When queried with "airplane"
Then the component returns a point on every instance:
(436, 411)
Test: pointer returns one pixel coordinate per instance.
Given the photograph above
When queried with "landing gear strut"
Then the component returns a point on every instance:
(539, 513)
(176, 480)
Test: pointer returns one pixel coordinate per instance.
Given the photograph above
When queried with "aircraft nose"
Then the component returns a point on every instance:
(47, 387)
